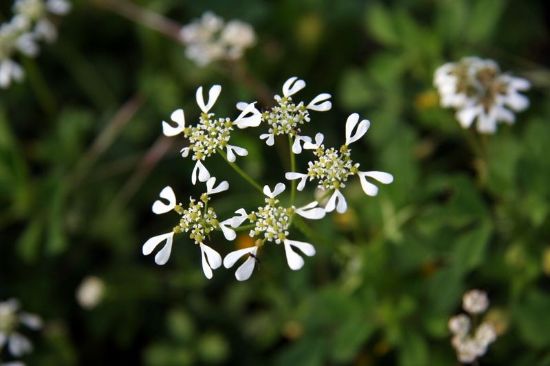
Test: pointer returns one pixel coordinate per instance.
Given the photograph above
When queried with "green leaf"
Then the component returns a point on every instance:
(381, 25)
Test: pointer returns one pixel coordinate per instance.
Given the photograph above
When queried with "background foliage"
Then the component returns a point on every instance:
(82, 159)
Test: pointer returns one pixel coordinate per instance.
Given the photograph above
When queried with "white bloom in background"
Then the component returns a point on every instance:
(333, 167)
(471, 343)
(198, 220)
(480, 92)
(23, 31)
(475, 301)
(271, 224)
(90, 292)
(37, 12)
(287, 117)
(210, 39)
(211, 135)
(9, 69)
(11, 318)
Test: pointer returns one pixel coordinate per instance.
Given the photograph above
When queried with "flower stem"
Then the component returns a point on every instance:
(244, 227)
(241, 172)
(142, 16)
(40, 85)
(292, 169)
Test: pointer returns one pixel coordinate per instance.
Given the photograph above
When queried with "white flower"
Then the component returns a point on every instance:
(198, 220)
(287, 117)
(271, 224)
(459, 324)
(90, 292)
(10, 320)
(471, 343)
(210, 135)
(478, 90)
(209, 39)
(10, 42)
(475, 302)
(37, 12)
(333, 167)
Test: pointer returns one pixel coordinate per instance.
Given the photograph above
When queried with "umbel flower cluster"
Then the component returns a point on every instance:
(480, 92)
(270, 222)
(211, 39)
(30, 24)
(472, 337)
(11, 320)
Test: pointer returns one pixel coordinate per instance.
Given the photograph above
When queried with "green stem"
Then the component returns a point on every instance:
(292, 169)
(40, 86)
(245, 227)
(241, 172)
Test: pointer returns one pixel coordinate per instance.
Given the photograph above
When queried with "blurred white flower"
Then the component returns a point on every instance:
(287, 117)
(333, 167)
(211, 134)
(10, 320)
(23, 31)
(478, 90)
(469, 342)
(210, 39)
(90, 292)
(475, 301)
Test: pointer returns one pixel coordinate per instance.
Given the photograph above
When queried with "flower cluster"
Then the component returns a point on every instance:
(333, 167)
(480, 92)
(30, 24)
(469, 341)
(11, 318)
(272, 221)
(211, 134)
(210, 39)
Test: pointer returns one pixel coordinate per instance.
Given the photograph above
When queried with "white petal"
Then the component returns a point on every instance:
(293, 86)
(164, 254)
(369, 188)
(200, 171)
(319, 137)
(30, 320)
(18, 345)
(232, 150)
(213, 95)
(517, 101)
(294, 260)
(231, 258)
(487, 122)
(153, 242)
(311, 211)
(228, 233)
(269, 138)
(178, 117)
(160, 207)
(249, 117)
(351, 123)
(3, 339)
(382, 177)
(245, 270)
(279, 188)
(294, 176)
(185, 152)
(467, 115)
(296, 145)
(210, 260)
(337, 201)
(306, 248)
(320, 103)
(59, 7)
(210, 189)
(236, 221)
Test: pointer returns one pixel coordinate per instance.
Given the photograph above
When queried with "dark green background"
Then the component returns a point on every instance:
(387, 275)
